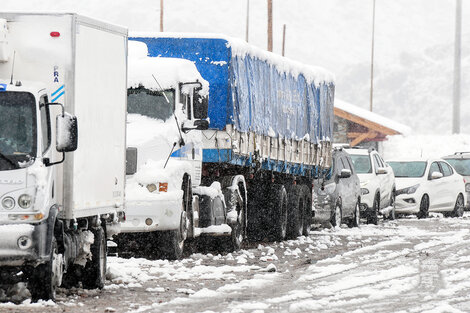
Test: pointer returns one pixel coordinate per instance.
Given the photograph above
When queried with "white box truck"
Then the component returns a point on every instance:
(62, 88)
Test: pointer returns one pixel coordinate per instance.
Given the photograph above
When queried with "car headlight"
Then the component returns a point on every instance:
(8, 203)
(408, 190)
(364, 191)
(467, 187)
(25, 201)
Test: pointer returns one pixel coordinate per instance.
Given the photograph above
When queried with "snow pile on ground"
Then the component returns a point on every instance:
(424, 146)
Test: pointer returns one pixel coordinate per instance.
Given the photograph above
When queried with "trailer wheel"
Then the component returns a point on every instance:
(48, 276)
(308, 210)
(296, 202)
(94, 274)
(278, 205)
(239, 228)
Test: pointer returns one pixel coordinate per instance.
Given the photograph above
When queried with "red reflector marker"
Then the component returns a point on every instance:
(55, 34)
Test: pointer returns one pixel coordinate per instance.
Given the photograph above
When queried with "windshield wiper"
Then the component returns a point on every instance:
(15, 165)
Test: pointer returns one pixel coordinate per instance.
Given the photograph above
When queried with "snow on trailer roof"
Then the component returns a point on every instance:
(169, 72)
(312, 74)
(372, 117)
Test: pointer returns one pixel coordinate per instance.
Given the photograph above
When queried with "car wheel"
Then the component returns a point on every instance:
(337, 217)
(356, 219)
(391, 214)
(373, 216)
(424, 207)
(459, 207)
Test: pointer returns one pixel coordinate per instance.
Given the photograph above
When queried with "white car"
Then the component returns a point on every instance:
(425, 186)
(377, 184)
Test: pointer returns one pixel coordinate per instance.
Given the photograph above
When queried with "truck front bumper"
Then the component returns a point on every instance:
(23, 244)
(148, 216)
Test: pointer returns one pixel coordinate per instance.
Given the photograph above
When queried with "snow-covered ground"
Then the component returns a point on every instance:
(407, 265)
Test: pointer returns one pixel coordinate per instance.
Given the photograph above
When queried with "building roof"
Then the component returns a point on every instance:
(369, 119)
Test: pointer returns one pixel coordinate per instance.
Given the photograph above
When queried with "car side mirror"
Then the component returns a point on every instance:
(436, 175)
(382, 170)
(67, 133)
(345, 173)
(201, 124)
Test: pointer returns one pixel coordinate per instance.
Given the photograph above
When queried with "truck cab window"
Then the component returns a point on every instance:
(151, 103)
(45, 124)
(200, 105)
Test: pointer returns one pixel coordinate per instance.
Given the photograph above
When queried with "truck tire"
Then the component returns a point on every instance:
(239, 229)
(278, 205)
(295, 214)
(308, 210)
(170, 243)
(48, 276)
(94, 274)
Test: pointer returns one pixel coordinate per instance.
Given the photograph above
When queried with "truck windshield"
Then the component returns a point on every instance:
(151, 103)
(361, 163)
(17, 128)
(408, 169)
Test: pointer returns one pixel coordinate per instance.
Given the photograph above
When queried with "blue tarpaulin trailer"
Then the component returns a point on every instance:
(261, 106)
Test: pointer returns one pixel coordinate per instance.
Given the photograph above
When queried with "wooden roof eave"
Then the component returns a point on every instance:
(364, 122)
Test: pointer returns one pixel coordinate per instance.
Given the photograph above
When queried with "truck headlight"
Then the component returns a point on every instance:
(25, 201)
(8, 203)
(152, 187)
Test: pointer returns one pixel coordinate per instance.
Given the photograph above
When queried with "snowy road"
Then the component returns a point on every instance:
(407, 265)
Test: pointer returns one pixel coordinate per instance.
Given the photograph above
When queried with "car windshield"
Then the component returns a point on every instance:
(408, 169)
(17, 128)
(361, 163)
(461, 166)
(151, 103)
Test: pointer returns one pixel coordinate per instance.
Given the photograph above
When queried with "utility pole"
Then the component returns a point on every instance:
(247, 19)
(161, 15)
(283, 39)
(270, 25)
(372, 60)
(457, 49)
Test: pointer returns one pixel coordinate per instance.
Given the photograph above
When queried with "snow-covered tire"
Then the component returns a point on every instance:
(356, 218)
(45, 278)
(459, 206)
(337, 216)
(239, 228)
(295, 213)
(278, 205)
(308, 210)
(94, 274)
(373, 214)
(424, 207)
(170, 243)
(391, 215)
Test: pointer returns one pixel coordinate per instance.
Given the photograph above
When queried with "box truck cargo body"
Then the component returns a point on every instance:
(71, 201)
(264, 133)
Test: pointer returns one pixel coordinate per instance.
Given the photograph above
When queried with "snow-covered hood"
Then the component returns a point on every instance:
(405, 182)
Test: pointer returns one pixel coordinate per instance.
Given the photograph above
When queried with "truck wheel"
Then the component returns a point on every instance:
(278, 205)
(239, 229)
(170, 243)
(94, 274)
(294, 216)
(48, 276)
(308, 210)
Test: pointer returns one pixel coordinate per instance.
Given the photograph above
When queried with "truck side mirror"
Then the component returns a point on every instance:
(67, 133)
(201, 124)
